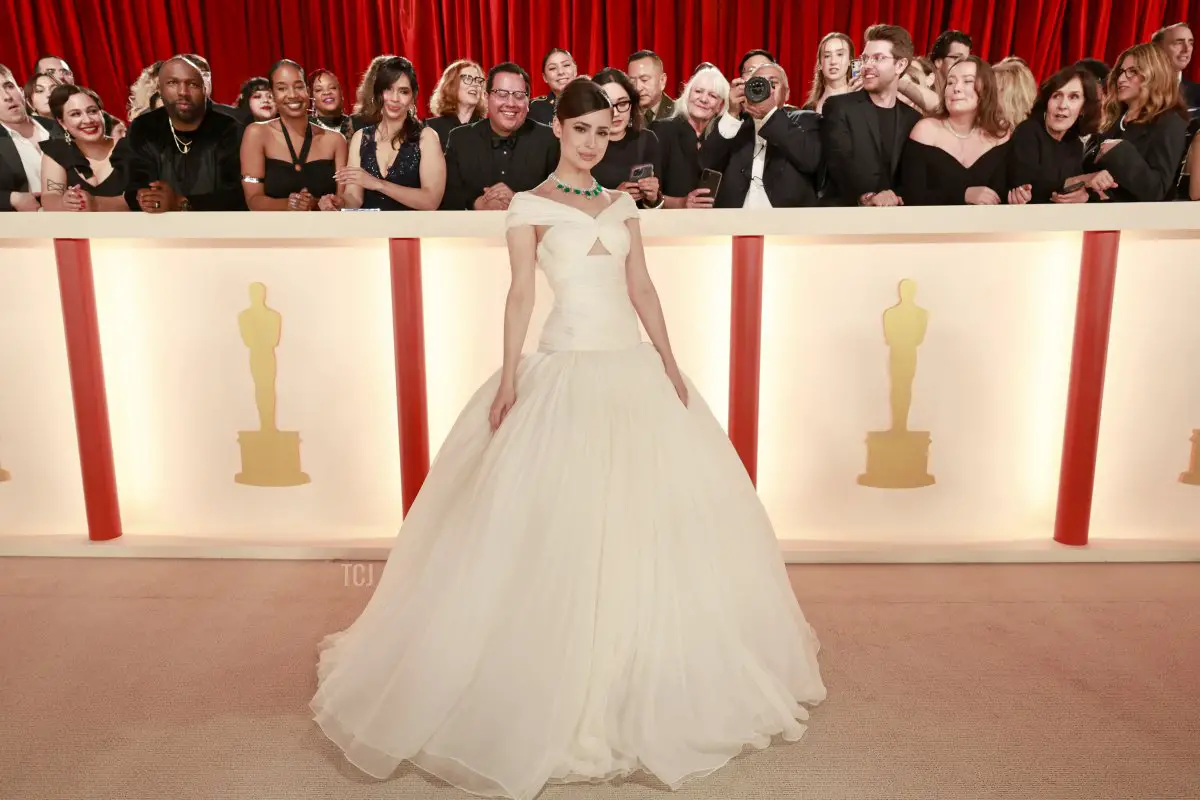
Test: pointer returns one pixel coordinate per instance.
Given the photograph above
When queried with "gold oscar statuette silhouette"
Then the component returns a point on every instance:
(1192, 476)
(899, 458)
(270, 457)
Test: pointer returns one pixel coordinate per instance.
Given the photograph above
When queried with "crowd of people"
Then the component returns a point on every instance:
(881, 126)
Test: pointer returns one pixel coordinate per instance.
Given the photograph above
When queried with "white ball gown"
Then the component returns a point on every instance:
(591, 591)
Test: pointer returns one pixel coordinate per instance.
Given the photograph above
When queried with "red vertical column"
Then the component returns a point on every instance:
(1081, 439)
(86, 367)
(745, 348)
(408, 322)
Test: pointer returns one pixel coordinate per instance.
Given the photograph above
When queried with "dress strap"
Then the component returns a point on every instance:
(298, 160)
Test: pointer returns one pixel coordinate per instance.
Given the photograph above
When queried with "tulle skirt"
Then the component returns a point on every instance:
(593, 590)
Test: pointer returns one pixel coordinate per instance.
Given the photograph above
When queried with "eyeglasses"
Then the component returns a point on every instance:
(622, 105)
(1132, 73)
(472, 80)
(878, 58)
(505, 94)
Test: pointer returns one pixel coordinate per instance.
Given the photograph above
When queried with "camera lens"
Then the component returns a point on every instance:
(758, 89)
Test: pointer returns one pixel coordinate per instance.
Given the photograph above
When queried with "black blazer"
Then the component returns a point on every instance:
(850, 140)
(1191, 95)
(443, 124)
(1146, 163)
(471, 164)
(793, 159)
(12, 171)
(1038, 159)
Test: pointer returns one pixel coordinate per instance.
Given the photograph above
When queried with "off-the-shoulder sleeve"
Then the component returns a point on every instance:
(626, 207)
(521, 210)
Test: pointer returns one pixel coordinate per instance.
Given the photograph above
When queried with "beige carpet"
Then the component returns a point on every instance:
(174, 680)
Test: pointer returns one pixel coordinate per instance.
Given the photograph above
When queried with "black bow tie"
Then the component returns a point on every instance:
(510, 142)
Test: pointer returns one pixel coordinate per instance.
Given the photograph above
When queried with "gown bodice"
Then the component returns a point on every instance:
(592, 309)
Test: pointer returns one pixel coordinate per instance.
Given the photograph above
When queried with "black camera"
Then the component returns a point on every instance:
(758, 89)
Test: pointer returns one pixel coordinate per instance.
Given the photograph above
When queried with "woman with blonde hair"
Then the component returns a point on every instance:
(1018, 90)
(142, 94)
(1136, 155)
(831, 75)
(704, 99)
(458, 99)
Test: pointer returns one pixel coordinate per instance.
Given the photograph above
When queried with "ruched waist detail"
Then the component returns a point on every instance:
(591, 321)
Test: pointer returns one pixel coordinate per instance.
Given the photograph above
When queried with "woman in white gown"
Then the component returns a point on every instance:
(587, 585)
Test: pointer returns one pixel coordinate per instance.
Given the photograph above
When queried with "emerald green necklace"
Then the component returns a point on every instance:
(592, 192)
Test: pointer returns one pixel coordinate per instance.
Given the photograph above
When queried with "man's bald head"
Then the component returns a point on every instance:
(181, 86)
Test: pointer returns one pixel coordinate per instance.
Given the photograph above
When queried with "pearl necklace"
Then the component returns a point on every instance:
(958, 135)
(595, 190)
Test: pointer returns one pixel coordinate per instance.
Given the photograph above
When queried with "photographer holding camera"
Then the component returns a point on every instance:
(768, 155)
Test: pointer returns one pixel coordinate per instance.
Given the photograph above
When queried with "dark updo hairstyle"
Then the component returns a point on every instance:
(249, 88)
(388, 73)
(582, 96)
(614, 75)
(283, 62)
(64, 92)
(1092, 112)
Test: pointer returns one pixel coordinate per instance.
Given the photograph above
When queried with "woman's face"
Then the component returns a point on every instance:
(1062, 112)
(262, 105)
(584, 139)
(622, 106)
(1131, 83)
(290, 92)
(470, 86)
(327, 95)
(704, 103)
(835, 60)
(41, 95)
(397, 99)
(960, 88)
(560, 70)
(82, 119)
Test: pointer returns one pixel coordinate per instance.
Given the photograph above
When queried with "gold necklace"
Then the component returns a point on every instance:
(180, 144)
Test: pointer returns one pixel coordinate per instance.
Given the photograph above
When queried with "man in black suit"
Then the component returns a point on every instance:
(863, 133)
(768, 156)
(489, 161)
(1179, 43)
(20, 148)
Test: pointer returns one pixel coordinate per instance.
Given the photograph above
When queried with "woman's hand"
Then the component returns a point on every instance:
(76, 199)
(1100, 182)
(1020, 195)
(506, 396)
(676, 378)
(650, 189)
(632, 188)
(699, 198)
(357, 176)
(301, 201)
(982, 196)
(331, 202)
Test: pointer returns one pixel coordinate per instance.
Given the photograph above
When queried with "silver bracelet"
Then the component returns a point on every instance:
(248, 179)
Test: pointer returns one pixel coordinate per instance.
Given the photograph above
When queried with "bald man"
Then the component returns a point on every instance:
(186, 156)
(768, 155)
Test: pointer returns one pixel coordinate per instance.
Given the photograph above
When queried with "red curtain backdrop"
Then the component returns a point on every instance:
(107, 42)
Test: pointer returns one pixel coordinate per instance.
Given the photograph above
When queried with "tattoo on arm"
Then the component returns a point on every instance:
(55, 186)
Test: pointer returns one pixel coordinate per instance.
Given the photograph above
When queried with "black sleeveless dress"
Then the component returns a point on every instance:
(79, 171)
(404, 171)
(284, 178)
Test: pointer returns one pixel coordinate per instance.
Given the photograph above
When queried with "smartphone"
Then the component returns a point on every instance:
(1073, 187)
(855, 68)
(710, 179)
(641, 171)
